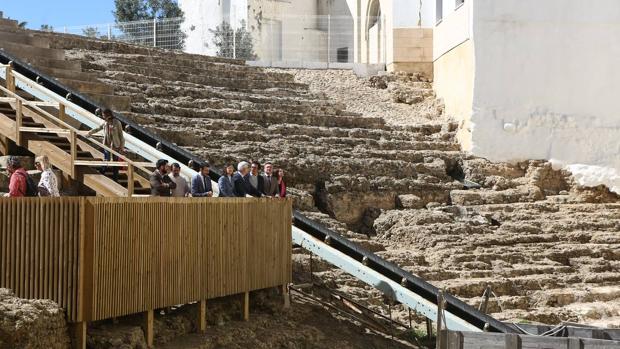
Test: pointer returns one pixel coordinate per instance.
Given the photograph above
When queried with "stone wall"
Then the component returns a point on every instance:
(31, 323)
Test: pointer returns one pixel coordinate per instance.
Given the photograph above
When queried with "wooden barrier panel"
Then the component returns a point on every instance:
(486, 340)
(39, 249)
(108, 257)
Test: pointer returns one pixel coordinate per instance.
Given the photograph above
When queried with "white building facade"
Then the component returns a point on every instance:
(531, 79)
(289, 32)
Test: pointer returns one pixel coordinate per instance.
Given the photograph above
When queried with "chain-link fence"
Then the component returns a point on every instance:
(286, 40)
(163, 33)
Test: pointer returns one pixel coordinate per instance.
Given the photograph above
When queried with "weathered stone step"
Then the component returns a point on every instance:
(23, 38)
(152, 76)
(212, 69)
(117, 103)
(25, 50)
(43, 62)
(69, 74)
(261, 118)
(144, 92)
(88, 87)
(188, 102)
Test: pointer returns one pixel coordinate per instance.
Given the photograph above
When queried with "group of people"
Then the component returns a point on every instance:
(167, 180)
(22, 184)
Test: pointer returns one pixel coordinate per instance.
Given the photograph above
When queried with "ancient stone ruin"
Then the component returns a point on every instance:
(378, 162)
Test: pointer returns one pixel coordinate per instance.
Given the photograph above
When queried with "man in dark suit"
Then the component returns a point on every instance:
(161, 184)
(201, 182)
(270, 188)
(241, 181)
(256, 180)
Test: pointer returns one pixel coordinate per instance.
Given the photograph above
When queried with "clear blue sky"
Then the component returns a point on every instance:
(59, 13)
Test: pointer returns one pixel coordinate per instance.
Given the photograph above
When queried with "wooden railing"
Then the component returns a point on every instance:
(63, 128)
(486, 340)
(107, 257)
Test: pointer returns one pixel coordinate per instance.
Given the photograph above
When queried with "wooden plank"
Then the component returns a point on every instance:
(287, 296)
(246, 306)
(202, 315)
(149, 318)
(513, 341)
(43, 130)
(18, 122)
(575, 343)
(455, 340)
(78, 334)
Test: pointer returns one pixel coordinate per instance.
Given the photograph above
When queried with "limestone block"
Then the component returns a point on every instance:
(410, 201)
(31, 323)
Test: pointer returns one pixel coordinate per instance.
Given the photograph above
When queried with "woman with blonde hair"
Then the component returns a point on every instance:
(48, 185)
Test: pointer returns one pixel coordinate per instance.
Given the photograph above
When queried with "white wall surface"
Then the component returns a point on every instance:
(454, 29)
(547, 84)
(203, 15)
(407, 13)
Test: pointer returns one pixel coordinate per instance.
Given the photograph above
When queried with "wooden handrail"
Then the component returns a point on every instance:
(72, 131)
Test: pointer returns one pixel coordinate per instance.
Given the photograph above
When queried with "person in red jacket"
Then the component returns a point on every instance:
(279, 173)
(17, 182)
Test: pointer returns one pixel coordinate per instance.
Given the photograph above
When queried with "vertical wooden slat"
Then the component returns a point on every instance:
(73, 140)
(18, 121)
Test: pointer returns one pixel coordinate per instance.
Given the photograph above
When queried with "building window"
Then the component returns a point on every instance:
(458, 3)
(438, 10)
(342, 55)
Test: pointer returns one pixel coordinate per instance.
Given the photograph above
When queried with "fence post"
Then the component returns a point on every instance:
(109, 31)
(273, 52)
(234, 34)
(154, 32)
(329, 37)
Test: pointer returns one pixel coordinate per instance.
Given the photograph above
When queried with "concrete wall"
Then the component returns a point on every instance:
(401, 42)
(412, 50)
(453, 57)
(454, 83)
(297, 30)
(547, 82)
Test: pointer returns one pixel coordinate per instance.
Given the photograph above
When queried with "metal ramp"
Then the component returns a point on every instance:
(394, 282)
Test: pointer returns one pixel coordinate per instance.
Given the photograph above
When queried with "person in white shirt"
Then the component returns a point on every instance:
(48, 184)
(182, 189)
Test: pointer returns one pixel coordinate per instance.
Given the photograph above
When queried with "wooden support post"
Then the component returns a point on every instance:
(513, 341)
(246, 306)
(149, 318)
(73, 141)
(10, 80)
(202, 315)
(4, 145)
(18, 121)
(455, 340)
(287, 296)
(62, 112)
(440, 335)
(130, 180)
(429, 329)
(78, 334)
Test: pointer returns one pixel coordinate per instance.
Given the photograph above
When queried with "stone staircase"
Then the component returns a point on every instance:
(36, 49)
